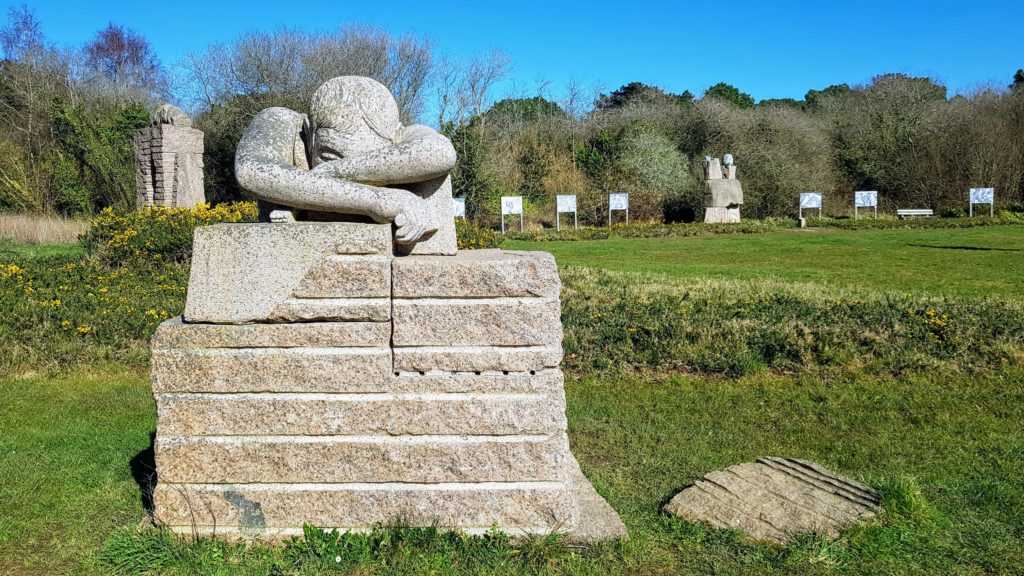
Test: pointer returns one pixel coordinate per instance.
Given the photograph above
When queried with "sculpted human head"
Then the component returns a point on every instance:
(352, 115)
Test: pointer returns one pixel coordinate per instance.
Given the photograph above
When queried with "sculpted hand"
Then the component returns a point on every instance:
(412, 221)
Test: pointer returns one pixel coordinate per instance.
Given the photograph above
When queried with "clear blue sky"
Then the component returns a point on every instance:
(766, 48)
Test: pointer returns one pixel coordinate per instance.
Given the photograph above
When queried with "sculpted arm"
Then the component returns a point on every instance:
(422, 155)
(263, 167)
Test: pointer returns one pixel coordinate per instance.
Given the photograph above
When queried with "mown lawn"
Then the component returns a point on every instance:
(970, 262)
(910, 408)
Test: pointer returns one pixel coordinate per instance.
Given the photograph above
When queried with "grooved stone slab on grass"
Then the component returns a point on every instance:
(477, 274)
(775, 498)
(418, 459)
(174, 333)
(242, 272)
(477, 322)
(358, 414)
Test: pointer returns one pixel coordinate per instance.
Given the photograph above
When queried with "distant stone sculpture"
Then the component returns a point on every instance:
(352, 157)
(169, 161)
(723, 191)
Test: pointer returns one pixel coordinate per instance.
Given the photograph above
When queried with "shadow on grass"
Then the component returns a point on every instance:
(978, 248)
(143, 467)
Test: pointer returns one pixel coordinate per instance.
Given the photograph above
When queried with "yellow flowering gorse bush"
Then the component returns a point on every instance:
(156, 234)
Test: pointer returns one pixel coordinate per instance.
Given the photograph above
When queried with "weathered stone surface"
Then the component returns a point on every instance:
(477, 274)
(477, 358)
(174, 333)
(345, 276)
(720, 214)
(332, 310)
(272, 370)
(479, 322)
(547, 382)
(360, 161)
(358, 414)
(724, 193)
(537, 507)
(417, 459)
(775, 498)
(242, 272)
(169, 161)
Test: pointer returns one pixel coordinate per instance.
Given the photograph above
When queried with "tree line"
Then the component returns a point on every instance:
(67, 116)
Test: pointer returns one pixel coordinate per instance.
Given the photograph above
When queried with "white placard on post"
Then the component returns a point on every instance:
(563, 205)
(459, 207)
(618, 201)
(510, 206)
(865, 199)
(982, 196)
(810, 200)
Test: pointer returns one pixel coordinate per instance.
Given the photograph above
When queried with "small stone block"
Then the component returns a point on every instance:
(477, 274)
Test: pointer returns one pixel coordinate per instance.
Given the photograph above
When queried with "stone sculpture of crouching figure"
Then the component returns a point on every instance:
(351, 156)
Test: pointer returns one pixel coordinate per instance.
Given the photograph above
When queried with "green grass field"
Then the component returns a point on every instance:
(873, 386)
(971, 262)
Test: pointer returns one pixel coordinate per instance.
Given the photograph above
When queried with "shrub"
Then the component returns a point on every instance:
(473, 237)
(156, 234)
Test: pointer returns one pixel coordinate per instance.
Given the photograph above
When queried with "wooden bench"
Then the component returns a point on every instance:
(915, 213)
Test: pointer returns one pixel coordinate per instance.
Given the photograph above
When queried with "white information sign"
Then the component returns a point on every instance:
(982, 196)
(459, 207)
(511, 206)
(565, 204)
(865, 198)
(810, 200)
(618, 201)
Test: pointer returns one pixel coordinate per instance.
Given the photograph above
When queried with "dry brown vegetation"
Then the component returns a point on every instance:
(40, 229)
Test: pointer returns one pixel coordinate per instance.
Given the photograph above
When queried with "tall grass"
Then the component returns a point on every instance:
(40, 229)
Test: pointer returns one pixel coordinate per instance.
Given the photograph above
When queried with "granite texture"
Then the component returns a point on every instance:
(345, 276)
(480, 322)
(175, 334)
(244, 272)
(536, 507)
(724, 193)
(353, 156)
(477, 274)
(239, 370)
(332, 459)
(358, 414)
(313, 393)
(477, 358)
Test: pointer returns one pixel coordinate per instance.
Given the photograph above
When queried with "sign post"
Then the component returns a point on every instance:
(810, 200)
(865, 199)
(620, 202)
(459, 207)
(982, 196)
(510, 206)
(565, 204)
